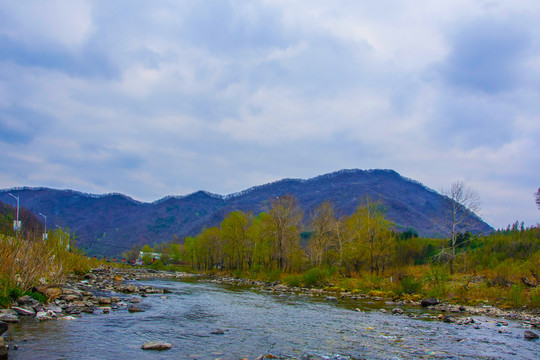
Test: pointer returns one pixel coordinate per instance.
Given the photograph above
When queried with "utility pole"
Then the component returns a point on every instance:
(45, 232)
(16, 223)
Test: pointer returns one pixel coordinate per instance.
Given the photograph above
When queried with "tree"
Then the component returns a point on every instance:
(537, 198)
(234, 236)
(323, 232)
(460, 205)
(283, 228)
(371, 235)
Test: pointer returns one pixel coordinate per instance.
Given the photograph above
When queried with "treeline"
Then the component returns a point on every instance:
(364, 242)
(282, 238)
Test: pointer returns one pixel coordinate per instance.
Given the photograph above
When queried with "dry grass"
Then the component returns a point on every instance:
(25, 263)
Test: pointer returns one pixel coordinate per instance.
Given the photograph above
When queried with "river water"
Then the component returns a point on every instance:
(256, 323)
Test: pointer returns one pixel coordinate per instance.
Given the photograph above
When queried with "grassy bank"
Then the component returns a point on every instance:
(29, 261)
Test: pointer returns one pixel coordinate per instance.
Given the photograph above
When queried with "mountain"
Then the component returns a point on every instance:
(112, 223)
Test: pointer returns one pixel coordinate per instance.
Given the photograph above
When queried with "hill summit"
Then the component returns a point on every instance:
(112, 223)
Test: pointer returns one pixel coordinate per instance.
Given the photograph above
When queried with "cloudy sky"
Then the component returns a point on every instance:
(156, 98)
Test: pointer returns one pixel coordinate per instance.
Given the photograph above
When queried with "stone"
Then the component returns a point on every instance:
(156, 345)
(462, 308)
(70, 297)
(23, 310)
(51, 292)
(133, 309)
(54, 308)
(3, 349)
(42, 315)
(397, 311)
(135, 300)
(103, 300)
(3, 327)
(218, 332)
(27, 300)
(118, 278)
(429, 302)
(449, 319)
(529, 335)
(331, 298)
(9, 318)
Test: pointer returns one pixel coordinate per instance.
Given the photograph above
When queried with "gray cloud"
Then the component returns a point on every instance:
(151, 99)
(487, 56)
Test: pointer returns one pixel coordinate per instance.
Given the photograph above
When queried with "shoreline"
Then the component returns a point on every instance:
(104, 290)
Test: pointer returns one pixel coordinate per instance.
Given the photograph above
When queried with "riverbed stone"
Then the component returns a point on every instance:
(134, 309)
(3, 327)
(529, 335)
(429, 302)
(9, 318)
(103, 300)
(50, 291)
(397, 311)
(42, 315)
(3, 349)
(23, 310)
(156, 345)
(27, 300)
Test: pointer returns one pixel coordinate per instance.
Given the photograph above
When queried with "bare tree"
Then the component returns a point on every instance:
(323, 225)
(537, 198)
(460, 206)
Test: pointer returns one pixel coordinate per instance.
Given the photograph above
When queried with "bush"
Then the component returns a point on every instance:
(314, 277)
(410, 285)
(293, 280)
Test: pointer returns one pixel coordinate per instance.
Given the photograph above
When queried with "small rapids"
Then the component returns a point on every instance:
(205, 320)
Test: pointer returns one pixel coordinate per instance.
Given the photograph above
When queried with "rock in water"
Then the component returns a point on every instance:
(9, 318)
(429, 302)
(3, 349)
(133, 309)
(3, 327)
(156, 345)
(529, 335)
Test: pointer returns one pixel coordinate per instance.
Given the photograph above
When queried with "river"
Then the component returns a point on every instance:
(204, 320)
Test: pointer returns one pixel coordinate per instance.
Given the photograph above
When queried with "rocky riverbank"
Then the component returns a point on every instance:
(99, 292)
(447, 312)
(111, 289)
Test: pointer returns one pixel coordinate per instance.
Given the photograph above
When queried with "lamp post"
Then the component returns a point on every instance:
(68, 244)
(17, 224)
(45, 232)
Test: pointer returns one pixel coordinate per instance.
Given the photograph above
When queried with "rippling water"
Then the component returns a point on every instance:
(256, 323)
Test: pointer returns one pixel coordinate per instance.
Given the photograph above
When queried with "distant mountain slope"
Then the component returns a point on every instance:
(110, 224)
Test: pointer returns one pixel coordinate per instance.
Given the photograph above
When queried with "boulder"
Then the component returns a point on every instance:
(23, 310)
(529, 335)
(449, 319)
(133, 309)
(9, 318)
(3, 327)
(429, 302)
(50, 291)
(397, 311)
(43, 315)
(103, 300)
(3, 349)
(54, 308)
(156, 345)
(27, 300)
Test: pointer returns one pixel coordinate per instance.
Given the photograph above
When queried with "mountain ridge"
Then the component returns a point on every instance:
(111, 223)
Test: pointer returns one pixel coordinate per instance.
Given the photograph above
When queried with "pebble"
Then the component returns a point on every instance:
(156, 345)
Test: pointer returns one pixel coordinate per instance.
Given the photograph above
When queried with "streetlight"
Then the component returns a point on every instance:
(16, 223)
(44, 233)
(68, 245)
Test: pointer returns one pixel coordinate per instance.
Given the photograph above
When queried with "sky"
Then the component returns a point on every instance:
(157, 98)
